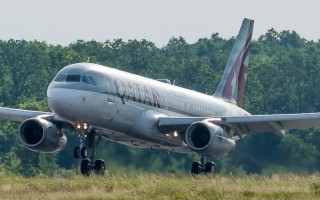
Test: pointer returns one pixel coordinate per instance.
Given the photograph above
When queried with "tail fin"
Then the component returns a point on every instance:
(232, 84)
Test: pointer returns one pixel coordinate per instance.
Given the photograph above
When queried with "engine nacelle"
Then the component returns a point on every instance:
(209, 139)
(38, 134)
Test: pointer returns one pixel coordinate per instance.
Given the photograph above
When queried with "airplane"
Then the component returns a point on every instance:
(96, 102)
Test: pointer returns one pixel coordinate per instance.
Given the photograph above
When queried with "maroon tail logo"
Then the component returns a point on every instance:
(232, 85)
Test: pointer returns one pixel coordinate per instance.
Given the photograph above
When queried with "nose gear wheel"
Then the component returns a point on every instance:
(89, 141)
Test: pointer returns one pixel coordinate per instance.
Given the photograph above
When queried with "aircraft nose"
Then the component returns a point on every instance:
(60, 102)
(55, 101)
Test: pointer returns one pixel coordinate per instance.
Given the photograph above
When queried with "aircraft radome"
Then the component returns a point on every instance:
(100, 102)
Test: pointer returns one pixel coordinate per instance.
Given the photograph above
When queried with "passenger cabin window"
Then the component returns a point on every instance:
(60, 78)
(73, 78)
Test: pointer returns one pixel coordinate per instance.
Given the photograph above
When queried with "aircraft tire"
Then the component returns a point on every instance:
(84, 152)
(99, 167)
(85, 167)
(76, 152)
(195, 168)
(209, 168)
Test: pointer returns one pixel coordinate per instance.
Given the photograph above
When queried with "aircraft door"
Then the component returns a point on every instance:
(166, 103)
(109, 110)
(110, 94)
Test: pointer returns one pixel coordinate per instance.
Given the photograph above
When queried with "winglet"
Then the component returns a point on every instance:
(232, 84)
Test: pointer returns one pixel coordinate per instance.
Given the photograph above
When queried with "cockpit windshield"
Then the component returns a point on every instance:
(88, 80)
(85, 79)
(93, 82)
(74, 76)
(60, 78)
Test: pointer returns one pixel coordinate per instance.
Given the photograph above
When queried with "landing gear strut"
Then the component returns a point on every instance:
(91, 140)
(206, 167)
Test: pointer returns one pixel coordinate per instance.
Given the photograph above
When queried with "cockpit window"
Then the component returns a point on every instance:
(85, 79)
(73, 75)
(93, 82)
(73, 78)
(60, 78)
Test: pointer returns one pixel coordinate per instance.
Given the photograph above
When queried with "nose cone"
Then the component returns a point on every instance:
(61, 101)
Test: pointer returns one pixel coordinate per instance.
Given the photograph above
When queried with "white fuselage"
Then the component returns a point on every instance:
(124, 107)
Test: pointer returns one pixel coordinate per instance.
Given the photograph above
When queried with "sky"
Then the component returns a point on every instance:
(65, 21)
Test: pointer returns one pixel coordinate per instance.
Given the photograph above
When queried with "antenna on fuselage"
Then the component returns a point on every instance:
(88, 60)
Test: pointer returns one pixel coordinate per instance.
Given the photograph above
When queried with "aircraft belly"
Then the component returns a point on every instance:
(140, 143)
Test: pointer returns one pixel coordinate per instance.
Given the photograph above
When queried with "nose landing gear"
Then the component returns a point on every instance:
(80, 152)
(89, 140)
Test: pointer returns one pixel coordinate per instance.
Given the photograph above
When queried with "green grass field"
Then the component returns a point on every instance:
(153, 186)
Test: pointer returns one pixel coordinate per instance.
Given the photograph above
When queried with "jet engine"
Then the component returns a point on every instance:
(209, 139)
(38, 134)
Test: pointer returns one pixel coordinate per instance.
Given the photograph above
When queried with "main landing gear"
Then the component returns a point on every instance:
(89, 140)
(208, 168)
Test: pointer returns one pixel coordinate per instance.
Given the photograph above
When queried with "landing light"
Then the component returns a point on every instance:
(175, 134)
(172, 134)
(85, 126)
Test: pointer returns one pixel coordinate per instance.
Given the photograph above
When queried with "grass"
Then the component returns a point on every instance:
(155, 186)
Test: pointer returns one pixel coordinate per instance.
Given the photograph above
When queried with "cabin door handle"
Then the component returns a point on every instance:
(110, 100)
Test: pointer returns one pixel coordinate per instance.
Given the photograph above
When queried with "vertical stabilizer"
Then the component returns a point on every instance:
(232, 84)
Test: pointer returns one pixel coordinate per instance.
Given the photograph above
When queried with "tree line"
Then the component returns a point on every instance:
(284, 71)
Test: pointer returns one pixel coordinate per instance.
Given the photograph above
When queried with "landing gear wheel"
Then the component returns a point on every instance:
(76, 152)
(89, 140)
(100, 167)
(195, 168)
(84, 152)
(85, 167)
(209, 168)
(203, 167)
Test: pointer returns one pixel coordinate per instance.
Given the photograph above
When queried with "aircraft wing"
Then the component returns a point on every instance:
(247, 124)
(266, 123)
(21, 115)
